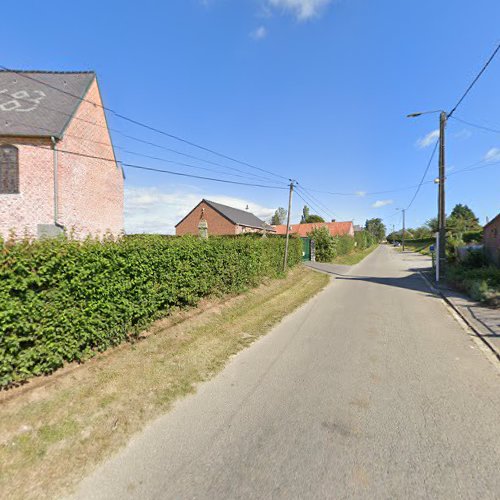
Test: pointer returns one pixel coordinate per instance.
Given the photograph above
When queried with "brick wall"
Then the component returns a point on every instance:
(90, 191)
(491, 239)
(217, 224)
(34, 204)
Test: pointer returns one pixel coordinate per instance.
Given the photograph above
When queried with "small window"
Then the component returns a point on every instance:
(9, 169)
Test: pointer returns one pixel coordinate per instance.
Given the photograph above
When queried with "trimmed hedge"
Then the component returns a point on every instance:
(61, 300)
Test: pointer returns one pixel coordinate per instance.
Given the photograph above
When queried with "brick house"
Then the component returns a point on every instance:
(58, 170)
(302, 230)
(221, 220)
(491, 240)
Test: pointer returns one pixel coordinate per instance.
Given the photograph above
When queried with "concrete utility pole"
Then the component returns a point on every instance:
(285, 260)
(441, 197)
(403, 237)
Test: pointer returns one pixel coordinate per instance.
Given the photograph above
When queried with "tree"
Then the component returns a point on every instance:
(376, 228)
(279, 216)
(314, 218)
(461, 220)
(307, 217)
(305, 214)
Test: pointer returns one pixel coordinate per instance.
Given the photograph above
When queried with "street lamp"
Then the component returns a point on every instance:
(441, 181)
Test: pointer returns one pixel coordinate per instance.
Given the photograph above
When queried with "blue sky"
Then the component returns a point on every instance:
(316, 90)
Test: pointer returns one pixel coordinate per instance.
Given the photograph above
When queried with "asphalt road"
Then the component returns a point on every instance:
(371, 390)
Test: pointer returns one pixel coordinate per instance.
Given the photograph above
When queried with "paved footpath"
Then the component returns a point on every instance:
(371, 390)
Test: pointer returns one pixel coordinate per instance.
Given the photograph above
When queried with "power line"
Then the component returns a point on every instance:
(482, 127)
(105, 127)
(143, 125)
(308, 202)
(469, 88)
(171, 172)
(331, 215)
(423, 176)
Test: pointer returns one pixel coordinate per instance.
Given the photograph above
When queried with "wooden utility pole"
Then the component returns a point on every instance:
(285, 260)
(441, 197)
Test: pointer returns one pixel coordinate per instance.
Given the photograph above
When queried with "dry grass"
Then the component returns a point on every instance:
(53, 433)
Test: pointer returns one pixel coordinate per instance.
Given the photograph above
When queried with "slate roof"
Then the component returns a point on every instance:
(235, 215)
(239, 217)
(335, 228)
(30, 107)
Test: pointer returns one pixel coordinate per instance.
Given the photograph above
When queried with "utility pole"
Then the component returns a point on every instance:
(285, 260)
(403, 237)
(441, 197)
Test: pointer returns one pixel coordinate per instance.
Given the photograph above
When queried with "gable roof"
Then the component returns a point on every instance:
(335, 228)
(31, 104)
(492, 221)
(234, 215)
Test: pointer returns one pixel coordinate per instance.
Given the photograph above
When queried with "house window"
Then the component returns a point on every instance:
(9, 169)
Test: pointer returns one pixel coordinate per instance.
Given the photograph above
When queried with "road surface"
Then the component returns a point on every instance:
(371, 390)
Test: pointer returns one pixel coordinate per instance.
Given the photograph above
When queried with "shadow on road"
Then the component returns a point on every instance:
(412, 281)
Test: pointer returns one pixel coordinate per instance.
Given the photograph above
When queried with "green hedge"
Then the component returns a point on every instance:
(60, 301)
(328, 247)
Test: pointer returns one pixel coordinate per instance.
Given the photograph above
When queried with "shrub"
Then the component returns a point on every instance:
(325, 247)
(61, 301)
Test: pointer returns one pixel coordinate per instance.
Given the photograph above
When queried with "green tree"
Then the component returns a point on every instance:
(279, 216)
(461, 220)
(314, 218)
(305, 214)
(376, 227)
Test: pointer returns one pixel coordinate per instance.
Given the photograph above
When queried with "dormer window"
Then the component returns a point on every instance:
(9, 169)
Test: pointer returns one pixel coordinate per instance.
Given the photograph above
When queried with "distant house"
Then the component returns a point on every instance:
(57, 164)
(221, 220)
(358, 229)
(302, 230)
(491, 239)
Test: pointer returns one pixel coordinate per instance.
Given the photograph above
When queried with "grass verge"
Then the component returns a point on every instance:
(353, 257)
(52, 435)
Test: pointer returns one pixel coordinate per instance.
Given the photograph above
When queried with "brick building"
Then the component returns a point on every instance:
(221, 220)
(491, 240)
(58, 170)
(302, 230)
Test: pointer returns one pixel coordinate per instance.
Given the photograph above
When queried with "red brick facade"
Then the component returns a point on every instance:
(90, 191)
(491, 239)
(217, 223)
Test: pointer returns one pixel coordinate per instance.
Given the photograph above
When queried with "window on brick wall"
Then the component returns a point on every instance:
(9, 169)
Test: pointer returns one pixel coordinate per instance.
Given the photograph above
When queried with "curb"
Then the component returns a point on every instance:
(467, 320)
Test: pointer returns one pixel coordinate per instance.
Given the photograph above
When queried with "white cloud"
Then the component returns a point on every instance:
(259, 34)
(301, 9)
(492, 155)
(429, 139)
(151, 210)
(382, 203)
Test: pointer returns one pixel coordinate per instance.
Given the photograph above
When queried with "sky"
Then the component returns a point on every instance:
(311, 90)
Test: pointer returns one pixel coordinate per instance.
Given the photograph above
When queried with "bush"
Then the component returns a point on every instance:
(325, 247)
(60, 300)
(363, 240)
(473, 237)
(481, 283)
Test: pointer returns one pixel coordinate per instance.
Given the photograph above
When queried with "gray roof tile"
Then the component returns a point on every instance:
(240, 217)
(31, 108)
